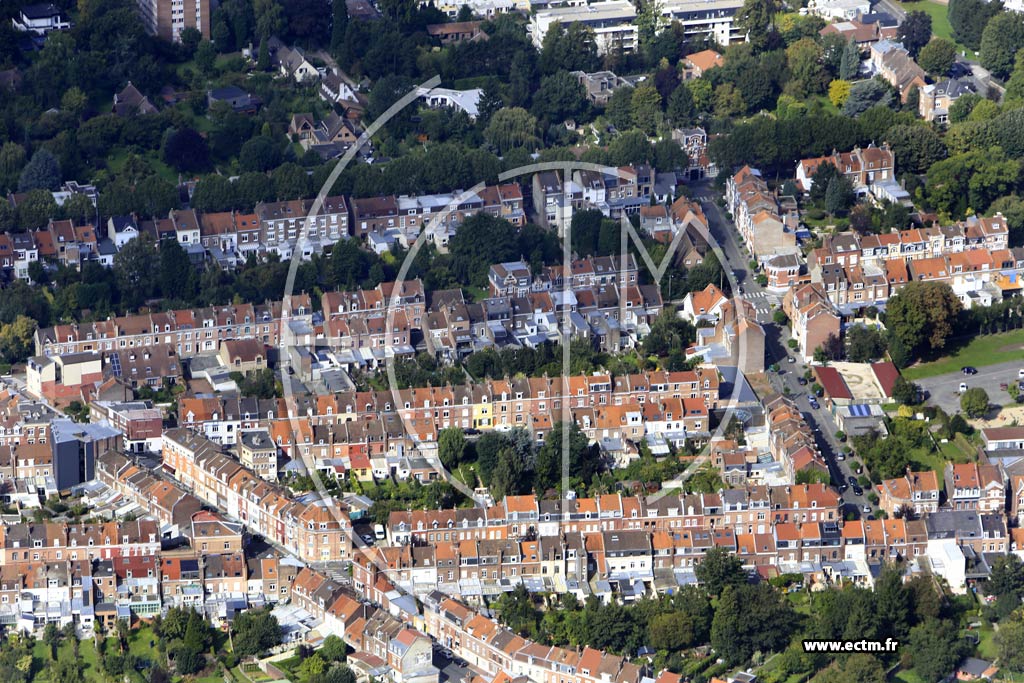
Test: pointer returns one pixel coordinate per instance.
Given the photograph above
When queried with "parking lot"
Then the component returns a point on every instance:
(944, 390)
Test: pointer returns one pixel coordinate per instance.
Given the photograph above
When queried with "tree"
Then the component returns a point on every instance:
(972, 180)
(134, 265)
(728, 101)
(936, 649)
(915, 31)
(572, 48)
(79, 208)
(206, 58)
(618, 109)
(256, 631)
(631, 147)
(849, 67)
(1010, 643)
(291, 181)
(36, 209)
(671, 632)
(922, 316)
(12, 160)
(719, 569)
(669, 155)
(904, 392)
(186, 150)
(269, 17)
(749, 619)
(559, 97)
(974, 402)
(968, 18)
(839, 92)
(177, 275)
(915, 147)
(1015, 85)
(681, 108)
(451, 445)
(512, 128)
(16, 339)
(74, 102)
(864, 344)
(839, 195)
(867, 94)
(51, 638)
(580, 461)
(1002, 37)
(1006, 576)
(937, 57)
(41, 173)
(190, 38)
(755, 19)
(260, 154)
(154, 196)
(645, 108)
(808, 76)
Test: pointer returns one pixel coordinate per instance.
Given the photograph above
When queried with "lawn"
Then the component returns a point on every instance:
(980, 351)
(87, 657)
(940, 22)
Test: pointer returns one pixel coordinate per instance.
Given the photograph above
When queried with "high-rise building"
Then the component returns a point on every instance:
(168, 18)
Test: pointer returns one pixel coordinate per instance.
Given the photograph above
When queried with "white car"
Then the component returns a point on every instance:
(963, 387)
(1020, 374)
(866, 509)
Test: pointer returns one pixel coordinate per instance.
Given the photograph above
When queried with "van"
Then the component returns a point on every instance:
(378, 532)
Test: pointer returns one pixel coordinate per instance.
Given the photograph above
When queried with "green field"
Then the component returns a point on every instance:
(940, 22)
(980, 351)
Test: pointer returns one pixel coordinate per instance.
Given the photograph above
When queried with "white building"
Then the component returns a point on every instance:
(713, 18)
(947, 561)
(839, 9)
(40, 19)
(463, 100)
(612, 23)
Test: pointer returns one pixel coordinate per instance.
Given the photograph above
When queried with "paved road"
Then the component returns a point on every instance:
(944, 390)
(737, 256)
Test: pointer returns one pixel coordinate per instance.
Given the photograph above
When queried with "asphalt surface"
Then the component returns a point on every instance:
(944, 390)
(776, 351)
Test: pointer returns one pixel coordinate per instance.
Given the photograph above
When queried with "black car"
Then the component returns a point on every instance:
(852, 479)
(801, 381)
(968, 370)
(858, 491)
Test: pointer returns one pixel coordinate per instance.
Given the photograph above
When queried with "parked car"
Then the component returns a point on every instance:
(858, 491)
(969, 370)
(802, 381)
(963, 387)
(866, 509)
(852, 479)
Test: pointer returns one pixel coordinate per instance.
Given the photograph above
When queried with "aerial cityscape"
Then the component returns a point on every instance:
(511, 341)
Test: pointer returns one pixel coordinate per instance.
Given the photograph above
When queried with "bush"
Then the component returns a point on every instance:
(792, 343)
(816, 214)
(873, 497)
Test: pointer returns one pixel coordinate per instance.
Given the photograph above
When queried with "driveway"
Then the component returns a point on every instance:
(944, 390)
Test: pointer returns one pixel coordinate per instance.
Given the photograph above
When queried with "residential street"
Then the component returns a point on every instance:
(776, 351)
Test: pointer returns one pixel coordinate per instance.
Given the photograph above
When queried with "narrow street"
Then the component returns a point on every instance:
(790, 367)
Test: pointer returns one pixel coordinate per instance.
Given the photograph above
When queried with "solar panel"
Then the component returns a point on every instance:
(115, 364)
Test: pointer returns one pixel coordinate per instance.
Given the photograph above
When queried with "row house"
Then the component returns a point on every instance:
(917, 491)
(53, 542)
(975, 486)
(316, 530)
(758, 215)
(863, 166)
(813, 317)
(187, 331)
